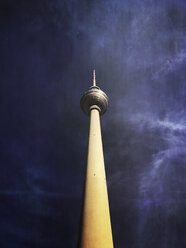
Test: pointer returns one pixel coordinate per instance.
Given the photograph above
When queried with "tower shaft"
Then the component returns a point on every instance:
(96, 227)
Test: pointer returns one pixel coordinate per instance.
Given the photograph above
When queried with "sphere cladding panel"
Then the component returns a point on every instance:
(94, 96)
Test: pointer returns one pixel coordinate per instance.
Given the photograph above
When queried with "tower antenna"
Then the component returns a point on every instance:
(94, 77)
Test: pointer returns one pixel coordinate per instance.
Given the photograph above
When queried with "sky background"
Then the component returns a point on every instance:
(47, 51)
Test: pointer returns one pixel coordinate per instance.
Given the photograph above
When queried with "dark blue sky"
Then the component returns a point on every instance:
(48, 50)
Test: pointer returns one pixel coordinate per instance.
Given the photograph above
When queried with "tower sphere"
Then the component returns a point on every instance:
(94, 98)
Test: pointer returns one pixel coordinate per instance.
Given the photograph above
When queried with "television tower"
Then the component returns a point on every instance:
(96, 227)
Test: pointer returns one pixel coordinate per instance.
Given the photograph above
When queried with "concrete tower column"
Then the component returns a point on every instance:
(96, 227)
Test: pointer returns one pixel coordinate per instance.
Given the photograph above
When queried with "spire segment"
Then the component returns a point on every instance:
(94, 77)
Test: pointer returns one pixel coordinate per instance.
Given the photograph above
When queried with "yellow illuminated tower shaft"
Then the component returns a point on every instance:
(96, 227)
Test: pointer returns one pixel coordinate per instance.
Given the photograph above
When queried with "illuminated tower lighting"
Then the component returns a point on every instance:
(96, 229)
